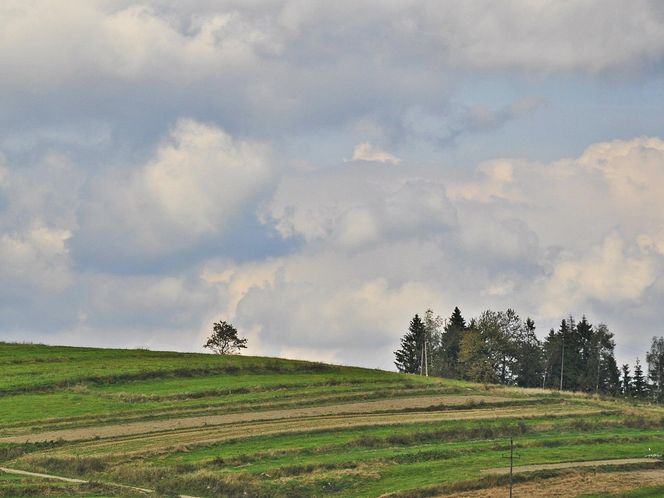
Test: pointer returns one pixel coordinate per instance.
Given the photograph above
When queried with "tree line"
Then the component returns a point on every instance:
(499, 347)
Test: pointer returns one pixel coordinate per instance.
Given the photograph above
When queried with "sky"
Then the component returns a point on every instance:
(318, 172)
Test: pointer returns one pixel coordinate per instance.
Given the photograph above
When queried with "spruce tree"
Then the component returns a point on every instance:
(639, 384)
(655, 359)
(408, 356)
(626, 383)
(586, 367)
(451, 344)
(608, 375)
(560, 351)
(530, 365)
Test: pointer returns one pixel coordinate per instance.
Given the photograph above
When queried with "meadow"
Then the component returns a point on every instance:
(138, 422)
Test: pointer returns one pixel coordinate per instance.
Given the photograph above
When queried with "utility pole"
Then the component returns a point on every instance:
(511, 457)
(424, 370)
(511, 463)
(599, 360)
(562, 360)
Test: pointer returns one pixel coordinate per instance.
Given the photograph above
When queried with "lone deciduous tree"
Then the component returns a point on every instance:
(224, 339)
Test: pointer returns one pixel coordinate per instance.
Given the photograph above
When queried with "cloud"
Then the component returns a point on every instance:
(293, 304)
(37, 221)
(38, 257)
(544, 36)
(447, 126)
(197, 184)
(367, 152)
(165, 164)
(353, 208)
(607, 273)
(126, 40)
(372, 245)
(306, 67)
(549, 239)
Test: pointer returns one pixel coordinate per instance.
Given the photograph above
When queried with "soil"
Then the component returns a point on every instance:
(567, 465)
(575, 484)
(115, 430)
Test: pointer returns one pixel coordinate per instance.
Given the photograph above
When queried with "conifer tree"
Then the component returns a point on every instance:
(530, 365)
(655, 359)
(451, 344)
(408, 356)
(560, 353)
(607, 378)
(552, 351)
(626, 381)
(588, 358)
(639, 384)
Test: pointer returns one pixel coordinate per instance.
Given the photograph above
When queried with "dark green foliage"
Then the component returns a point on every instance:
(639, 384)
(587, 357)
(497, 347)
(408, 356)
(530, 365)
(558, 349)
(583, 355)
(655, 359)
(224, 339)
(450, 344)
(500, 348)
(608, 380)
(626, 381)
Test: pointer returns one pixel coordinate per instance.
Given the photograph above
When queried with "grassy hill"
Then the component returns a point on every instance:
(204, 425)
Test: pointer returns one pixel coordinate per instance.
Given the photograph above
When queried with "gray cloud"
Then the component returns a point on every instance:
(369, 59)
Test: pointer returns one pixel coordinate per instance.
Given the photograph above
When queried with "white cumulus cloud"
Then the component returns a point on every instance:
(199, 181)
(367, 152)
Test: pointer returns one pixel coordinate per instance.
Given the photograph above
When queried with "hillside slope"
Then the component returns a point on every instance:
(205, 425)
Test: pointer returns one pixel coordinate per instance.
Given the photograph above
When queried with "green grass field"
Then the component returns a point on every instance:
(203, 425)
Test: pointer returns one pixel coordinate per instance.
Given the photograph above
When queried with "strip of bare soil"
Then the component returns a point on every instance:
(567, 465)
(140, 443)
(574, 484)
(202, 421)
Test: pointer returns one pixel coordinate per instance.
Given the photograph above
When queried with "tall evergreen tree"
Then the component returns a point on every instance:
(530, 364)
(552, 352)
(655, 359)
(626, 381)
(608, 375)
(609, 381)
(561, 352)
(575, 369)
(451, 344)
(640, 383)
(588, 358)
(408, 357)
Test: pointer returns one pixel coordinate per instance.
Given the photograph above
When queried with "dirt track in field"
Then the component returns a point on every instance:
(141, 443)
(25, 473)
(575, 484)
(567, 465)
(115, 430)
